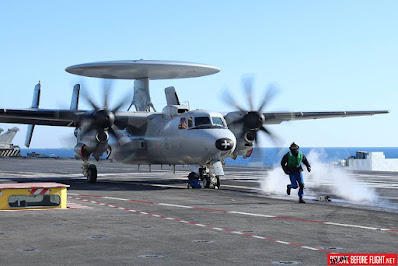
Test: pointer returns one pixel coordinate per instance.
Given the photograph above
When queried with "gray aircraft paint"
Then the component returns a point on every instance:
(7, 137)
(145, 137)
(165, 143)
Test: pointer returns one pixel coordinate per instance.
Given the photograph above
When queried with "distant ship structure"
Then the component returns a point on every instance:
(370, 161)
(40, 155)
(7, 149)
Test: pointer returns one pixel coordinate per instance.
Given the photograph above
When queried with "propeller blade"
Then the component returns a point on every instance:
(112, 131)
(271, 92)
(258, 155)
(248, 86)
(262, 128)
(106, 86)
(275, 139)
(227, 98)
(90, 101)
(238, 120)
(122, 103)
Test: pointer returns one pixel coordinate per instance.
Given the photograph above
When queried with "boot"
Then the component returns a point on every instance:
(288, 190)
(301, 200)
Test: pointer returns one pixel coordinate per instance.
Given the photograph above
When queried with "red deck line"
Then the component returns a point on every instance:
(208, 209)
(142, 201)
(211, 227)
(299, 219)
(226, 211)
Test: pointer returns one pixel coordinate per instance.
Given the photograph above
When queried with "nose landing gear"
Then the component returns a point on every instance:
(209, 179)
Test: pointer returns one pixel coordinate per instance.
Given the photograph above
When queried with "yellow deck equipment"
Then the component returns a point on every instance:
(33, 196)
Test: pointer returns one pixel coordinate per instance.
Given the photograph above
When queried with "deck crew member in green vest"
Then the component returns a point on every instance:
(291, 165)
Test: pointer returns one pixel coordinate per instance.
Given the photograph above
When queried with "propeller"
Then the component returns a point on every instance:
(102, 119)
(253, 119)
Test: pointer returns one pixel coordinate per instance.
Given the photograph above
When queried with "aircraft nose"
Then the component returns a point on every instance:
(224, 144)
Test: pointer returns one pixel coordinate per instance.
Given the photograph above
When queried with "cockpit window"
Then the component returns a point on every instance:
(190, 122)
(202, 121)
(218, 121)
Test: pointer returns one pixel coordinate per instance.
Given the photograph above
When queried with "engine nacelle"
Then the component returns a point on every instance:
(244, 137)
(83, 152)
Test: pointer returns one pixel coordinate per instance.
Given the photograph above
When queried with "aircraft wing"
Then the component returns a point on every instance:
(279, 117)
(48, 117)
(65, 118)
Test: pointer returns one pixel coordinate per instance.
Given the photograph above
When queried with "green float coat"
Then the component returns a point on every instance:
(293, 160)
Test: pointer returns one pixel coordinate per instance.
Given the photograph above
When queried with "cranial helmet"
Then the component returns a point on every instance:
(294, 146)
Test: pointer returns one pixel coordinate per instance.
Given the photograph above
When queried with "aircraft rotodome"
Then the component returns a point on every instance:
(176, 135)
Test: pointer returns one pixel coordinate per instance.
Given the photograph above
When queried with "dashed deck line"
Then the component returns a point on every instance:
(244, 213)
(71, 205)
(202, 225)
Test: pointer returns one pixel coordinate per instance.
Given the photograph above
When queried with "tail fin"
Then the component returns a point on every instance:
(74, 104)
(36, 96)
(171, 96)
(35, 105)
(29, 135)
(9, 135)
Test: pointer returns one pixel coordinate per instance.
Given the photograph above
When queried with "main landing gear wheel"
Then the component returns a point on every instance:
(206, 182)
(211, 181)
(92, 173)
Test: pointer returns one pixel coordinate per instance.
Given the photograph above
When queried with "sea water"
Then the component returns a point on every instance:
(323, 179)
(261, 156)
(273, 156)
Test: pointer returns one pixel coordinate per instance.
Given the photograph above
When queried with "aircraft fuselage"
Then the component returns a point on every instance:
(204, 138)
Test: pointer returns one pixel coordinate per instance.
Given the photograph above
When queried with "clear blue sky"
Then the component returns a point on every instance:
(324, 56)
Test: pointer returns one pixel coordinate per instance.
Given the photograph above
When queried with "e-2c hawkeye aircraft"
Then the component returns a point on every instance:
(174, 136)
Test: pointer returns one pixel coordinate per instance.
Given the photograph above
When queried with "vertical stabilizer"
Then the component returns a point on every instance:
(171, 96)
(36, 96)
(6, 138)
(29, 135)
(35, 105)
(74, 104)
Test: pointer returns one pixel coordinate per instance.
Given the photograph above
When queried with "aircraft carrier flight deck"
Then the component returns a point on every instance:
(142, 217)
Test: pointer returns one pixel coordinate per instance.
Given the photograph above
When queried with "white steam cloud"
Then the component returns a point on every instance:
(324, 179)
